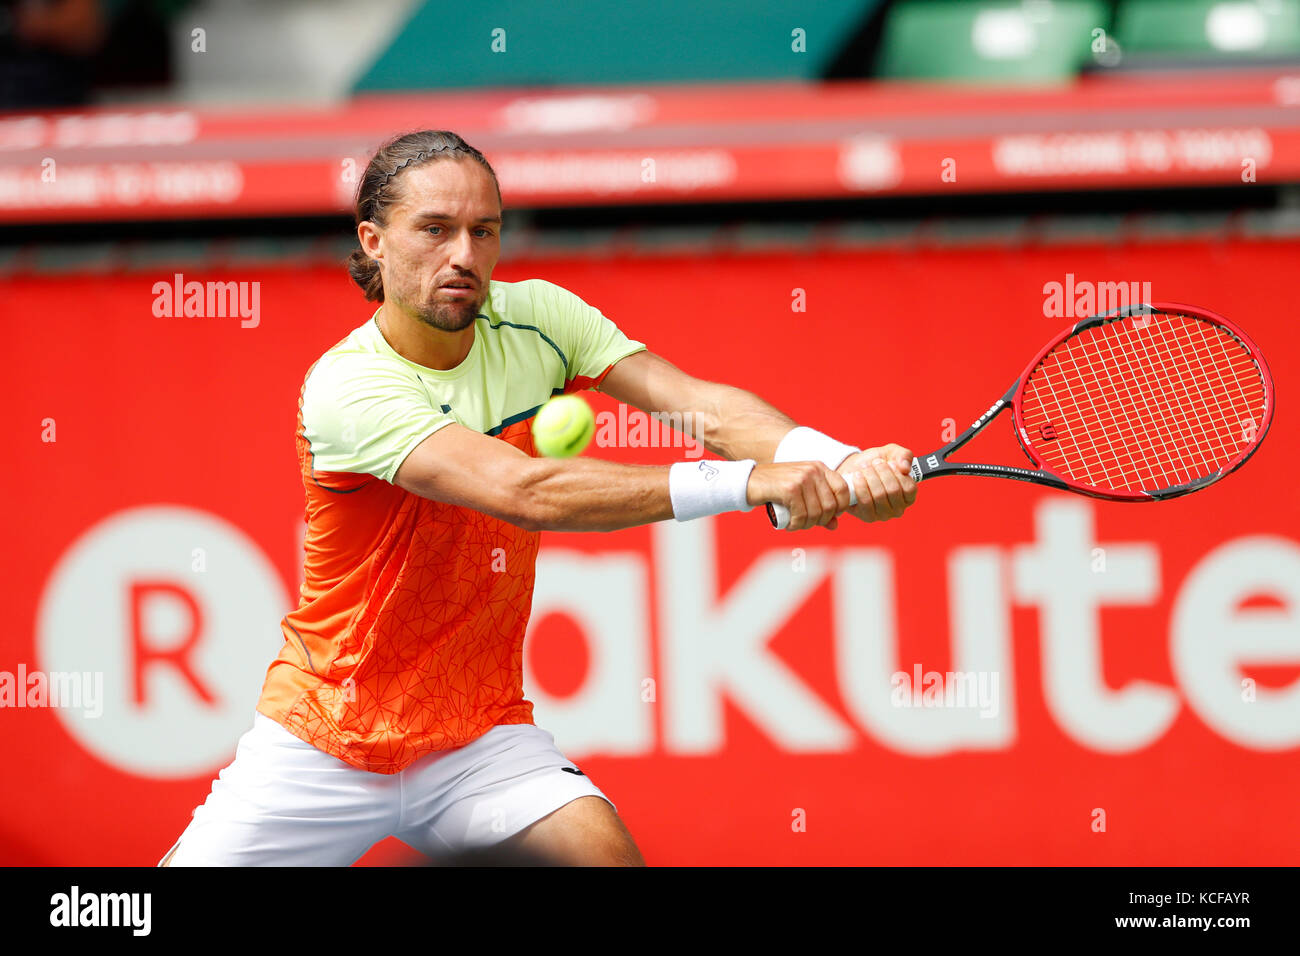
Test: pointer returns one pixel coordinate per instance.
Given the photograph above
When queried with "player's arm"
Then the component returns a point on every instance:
(737, 424)
(463, 467)
(728, 421)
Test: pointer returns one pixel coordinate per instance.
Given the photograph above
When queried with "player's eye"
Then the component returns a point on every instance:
(432, 228)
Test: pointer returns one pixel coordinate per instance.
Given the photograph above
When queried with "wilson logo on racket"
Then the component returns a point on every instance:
(993, 410)
(1141, 404)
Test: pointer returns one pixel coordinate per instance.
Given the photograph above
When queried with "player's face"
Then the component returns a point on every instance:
(442, 242)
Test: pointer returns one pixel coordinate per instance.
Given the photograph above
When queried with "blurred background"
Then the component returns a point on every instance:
(872, 214)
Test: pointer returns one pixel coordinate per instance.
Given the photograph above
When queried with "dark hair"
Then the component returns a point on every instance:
(376, 191)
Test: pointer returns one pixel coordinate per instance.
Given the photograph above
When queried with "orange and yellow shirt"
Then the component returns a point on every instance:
(408, 635)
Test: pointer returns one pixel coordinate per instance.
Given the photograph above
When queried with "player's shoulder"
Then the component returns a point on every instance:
(361, 354)
(535, 299)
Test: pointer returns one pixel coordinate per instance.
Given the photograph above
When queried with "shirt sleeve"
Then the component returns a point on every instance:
(590, 343)
(366, 417)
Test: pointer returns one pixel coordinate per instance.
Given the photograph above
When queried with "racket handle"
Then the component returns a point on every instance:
(779, 514)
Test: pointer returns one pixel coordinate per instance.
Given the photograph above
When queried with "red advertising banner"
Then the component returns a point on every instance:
(1007, 675)
(666, 144)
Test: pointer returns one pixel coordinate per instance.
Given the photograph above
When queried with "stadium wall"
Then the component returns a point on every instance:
(731, 688)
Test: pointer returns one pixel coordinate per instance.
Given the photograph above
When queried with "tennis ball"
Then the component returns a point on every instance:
(563, 426)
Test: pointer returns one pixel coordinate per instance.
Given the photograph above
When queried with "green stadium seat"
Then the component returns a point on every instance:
(1009, 41)
(592, 42)
(1208, 29)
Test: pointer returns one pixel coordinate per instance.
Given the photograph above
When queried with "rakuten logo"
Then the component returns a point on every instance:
(713, 650)
(176, 612)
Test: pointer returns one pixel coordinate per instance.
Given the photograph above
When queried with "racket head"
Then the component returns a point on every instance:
(1144, 403)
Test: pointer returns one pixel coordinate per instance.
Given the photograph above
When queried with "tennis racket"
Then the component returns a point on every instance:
(1140, 404)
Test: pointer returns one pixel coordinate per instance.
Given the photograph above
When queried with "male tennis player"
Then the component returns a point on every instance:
(396, 706)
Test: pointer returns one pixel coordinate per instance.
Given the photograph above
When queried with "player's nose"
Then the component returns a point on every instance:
(461, 252)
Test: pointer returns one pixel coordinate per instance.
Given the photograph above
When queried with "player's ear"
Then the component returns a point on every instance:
(371, 238)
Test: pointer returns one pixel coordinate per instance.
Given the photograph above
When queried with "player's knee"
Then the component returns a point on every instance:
(620, 848)
(611, 851)
(627, 854)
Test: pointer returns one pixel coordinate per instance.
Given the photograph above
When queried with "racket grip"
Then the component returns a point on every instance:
(779, 514)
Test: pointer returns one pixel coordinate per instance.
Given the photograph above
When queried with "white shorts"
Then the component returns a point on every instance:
(283, 802)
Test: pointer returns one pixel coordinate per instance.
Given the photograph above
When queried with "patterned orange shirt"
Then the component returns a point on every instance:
(408, 635)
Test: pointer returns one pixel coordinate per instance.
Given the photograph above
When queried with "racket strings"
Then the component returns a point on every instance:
(1169, 415)
(1144, 402)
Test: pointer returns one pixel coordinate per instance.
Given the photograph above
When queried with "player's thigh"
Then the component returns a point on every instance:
(461, 804)
(585, 832)
(283, 802)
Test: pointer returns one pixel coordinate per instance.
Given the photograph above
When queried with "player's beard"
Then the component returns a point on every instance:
(450, 316)
(446, 316)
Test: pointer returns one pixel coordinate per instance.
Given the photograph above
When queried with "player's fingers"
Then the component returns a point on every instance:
(895, 484)
(798, 509)
(866, 509)
(839, 486)
(815, 509)
(899, 458)
(830, 493)
(805, 504)
(876, 492)
(893, 490)
(892, 452)
(908, 484)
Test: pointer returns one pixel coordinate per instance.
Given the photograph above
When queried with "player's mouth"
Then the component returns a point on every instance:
(461, 289)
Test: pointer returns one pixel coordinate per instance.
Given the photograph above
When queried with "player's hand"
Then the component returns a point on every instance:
(813, 493)
(882, 481)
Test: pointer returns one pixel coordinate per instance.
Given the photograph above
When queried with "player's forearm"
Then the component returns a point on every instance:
(737, 424)
(589, 494)
(730, 422)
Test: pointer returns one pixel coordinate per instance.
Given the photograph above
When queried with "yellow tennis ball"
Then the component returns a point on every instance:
(563, 427)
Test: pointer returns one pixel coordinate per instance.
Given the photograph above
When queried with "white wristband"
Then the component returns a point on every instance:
(700, 488)
(804, 444)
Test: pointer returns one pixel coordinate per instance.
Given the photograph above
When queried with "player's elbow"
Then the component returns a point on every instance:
(528, 521)
(533, 504)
